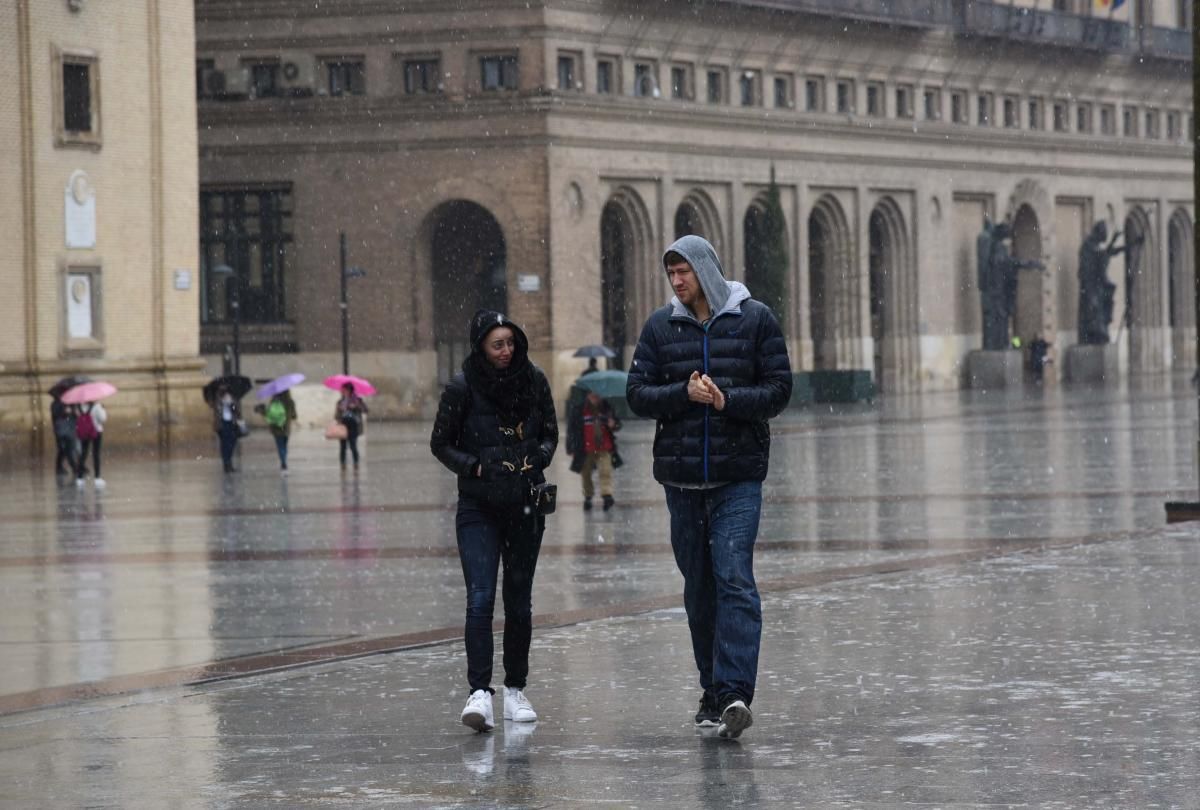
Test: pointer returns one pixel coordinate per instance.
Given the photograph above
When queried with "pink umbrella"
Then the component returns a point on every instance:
(361, 386)
(88, 392)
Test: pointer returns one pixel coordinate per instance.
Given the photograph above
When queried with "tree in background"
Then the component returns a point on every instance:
(766, 251)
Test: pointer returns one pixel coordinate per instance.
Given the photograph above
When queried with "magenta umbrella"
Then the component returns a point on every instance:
(361, 386)
(279, 385)
(88, 392)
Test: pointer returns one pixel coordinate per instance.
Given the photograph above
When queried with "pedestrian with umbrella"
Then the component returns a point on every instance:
(89, 426)
(592, 353)
(280, 412)
(222, 395)
(62, 419)
(350, 412)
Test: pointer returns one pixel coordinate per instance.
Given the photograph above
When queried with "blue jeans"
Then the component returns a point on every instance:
(485, 538)
(281, 449)
(712, 535)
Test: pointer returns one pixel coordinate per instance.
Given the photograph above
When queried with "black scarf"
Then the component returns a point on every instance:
(510, 390)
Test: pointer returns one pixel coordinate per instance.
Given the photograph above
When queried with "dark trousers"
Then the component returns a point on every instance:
(228, 436)
(94, 446)
(712, 534)
(485, 539)
(66, 453)
(351, 439)
(281, 449)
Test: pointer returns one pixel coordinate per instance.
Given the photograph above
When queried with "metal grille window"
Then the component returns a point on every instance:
(347, 78)
(422, 76)
(250, 231)
(77, 97)
(498, 72)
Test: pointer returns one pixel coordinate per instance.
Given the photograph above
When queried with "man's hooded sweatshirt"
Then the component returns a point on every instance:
(501, 420)
(742, 349)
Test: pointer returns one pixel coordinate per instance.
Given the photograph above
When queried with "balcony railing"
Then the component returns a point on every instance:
(908, 13)
(1045, 27)
(1165, 43)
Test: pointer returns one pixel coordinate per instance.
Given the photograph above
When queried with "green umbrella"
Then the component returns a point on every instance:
(608, 384)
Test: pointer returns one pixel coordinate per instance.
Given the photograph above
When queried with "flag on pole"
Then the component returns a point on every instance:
(1109, 5)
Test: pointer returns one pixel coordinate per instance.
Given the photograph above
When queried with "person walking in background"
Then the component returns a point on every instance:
(712, 367)
(350, 411)
(227, 420)
(497, 431)
(279, 414)
(89, 427)
(593, 446)
(62, 417)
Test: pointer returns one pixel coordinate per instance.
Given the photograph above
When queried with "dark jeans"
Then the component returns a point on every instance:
(712, 535)
(281, 449)
(94, 445)
(228, 436)
(351, 439)
(485, 539)
(66, 453)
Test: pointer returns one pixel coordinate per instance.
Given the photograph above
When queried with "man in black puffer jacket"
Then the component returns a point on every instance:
(712, 367)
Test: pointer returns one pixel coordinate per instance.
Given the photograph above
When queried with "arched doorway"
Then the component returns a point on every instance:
(893, 301)
(1181, 310)
(833, 313)
(697, 214)
(468, 256)
(1028, 320)
(767, 263)
(627, 289)
(1142, 315)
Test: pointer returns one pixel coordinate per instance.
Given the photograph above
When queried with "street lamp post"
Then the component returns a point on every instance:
(346, 274)
(236, 306)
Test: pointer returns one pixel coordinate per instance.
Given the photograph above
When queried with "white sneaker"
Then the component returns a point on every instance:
(99, 483)
(735, 719)
(517, 707)
(478, 712)
(79, 483)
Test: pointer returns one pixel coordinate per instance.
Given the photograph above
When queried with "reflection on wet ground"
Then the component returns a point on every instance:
(912, 653)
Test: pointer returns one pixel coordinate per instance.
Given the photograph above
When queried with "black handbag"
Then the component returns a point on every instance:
(544, 497)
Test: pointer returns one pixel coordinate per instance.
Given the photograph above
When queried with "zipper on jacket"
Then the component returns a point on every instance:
(707, 408)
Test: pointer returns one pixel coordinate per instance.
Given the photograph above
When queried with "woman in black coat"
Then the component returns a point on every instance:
(496, 429)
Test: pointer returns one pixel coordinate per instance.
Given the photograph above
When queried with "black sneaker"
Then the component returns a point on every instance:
(587, 504)
(608, 502)
(735, 717)
(709, 715)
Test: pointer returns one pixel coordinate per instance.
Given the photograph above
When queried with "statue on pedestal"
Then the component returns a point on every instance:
(998, 273)
(1095, 290)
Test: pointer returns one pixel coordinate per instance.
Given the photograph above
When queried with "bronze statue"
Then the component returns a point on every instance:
(998, 272)
(1095, 290)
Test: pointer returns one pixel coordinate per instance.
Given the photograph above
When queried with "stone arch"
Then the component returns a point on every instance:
(892, 280)
(1181, 274)
(466, 255)
(834, 288)
(627, 290)
(697, 214)
(1144, 313)
(1027, 245)
(754, 236)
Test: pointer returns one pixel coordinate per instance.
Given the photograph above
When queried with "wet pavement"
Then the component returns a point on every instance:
(969, 601)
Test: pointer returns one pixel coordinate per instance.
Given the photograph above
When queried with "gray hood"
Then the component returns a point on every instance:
(707, 267)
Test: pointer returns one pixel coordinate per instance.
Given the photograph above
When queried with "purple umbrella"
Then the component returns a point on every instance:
(279, 385)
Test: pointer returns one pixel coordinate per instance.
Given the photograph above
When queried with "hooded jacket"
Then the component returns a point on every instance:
(742, 349)
(469, 431)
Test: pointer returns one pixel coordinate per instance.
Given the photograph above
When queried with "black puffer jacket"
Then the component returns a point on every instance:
(743, 350)
(469, 431)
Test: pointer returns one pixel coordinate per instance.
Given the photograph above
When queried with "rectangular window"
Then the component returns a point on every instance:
(1012, 115)
(645, 80)
(1062, 119)
(985, 114)
(904, 101)
(750, 85)
(783, 92)
(498, 72)
(1108, 120)
(1151, 129)
(958, 107)
(605, 76)
(681, 82)
(264, 79)
(568, 72)
(1036, 119)
(875, 92)
(814, 94)
(77, 99)
(715, 79)
(1129, 122)
(845, 96)
(1083, 118)
(422, 76)
(204, 67)
(249, 231)
(932, 98)
(1174, 127)
(348, 78)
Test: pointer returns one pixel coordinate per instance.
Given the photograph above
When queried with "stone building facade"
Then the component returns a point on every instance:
(98, 209)
(538, 157)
